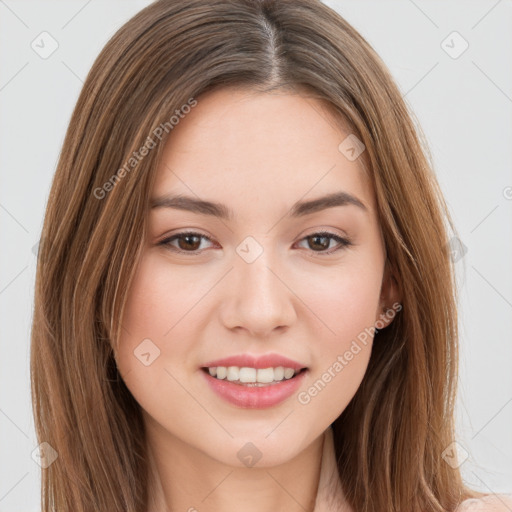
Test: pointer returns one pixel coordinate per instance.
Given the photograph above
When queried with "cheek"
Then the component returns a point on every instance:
(157, 339)
(345, 301)
(154, 328)
(161, 303)
(334, 383)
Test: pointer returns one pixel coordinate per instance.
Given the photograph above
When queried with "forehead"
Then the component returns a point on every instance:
(249, 149)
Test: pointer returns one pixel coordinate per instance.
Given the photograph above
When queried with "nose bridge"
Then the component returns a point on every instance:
(259, 299)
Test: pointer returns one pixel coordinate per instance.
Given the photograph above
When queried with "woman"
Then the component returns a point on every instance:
(244, 295)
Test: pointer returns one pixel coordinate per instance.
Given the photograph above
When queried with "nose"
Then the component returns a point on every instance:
(258, 298)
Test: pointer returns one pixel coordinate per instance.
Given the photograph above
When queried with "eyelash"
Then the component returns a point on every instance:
(344, 242)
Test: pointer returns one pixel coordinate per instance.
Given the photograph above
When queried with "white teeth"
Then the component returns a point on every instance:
(248, 375)
(266, 375)
(233, 373)
(288, 373)
(220, 372)
(279, 373)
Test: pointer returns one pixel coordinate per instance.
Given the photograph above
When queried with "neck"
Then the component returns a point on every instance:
(184, 478)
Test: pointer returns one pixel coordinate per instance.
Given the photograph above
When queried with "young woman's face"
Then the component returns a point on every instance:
(259, 281)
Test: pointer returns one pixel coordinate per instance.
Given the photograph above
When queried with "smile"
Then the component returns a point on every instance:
(256, 376)
(254, 394)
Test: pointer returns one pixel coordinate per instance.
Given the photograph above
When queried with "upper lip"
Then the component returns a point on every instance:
(258, 362)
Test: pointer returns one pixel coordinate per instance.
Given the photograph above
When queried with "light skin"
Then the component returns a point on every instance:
(257, 154)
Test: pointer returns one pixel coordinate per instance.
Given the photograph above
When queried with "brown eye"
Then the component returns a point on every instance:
(319, 242)
(187, 242)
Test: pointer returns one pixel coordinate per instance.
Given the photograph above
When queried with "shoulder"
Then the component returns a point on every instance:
(490, 503)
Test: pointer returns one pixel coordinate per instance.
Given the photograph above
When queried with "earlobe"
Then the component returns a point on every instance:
(387, 315)
(390, 298)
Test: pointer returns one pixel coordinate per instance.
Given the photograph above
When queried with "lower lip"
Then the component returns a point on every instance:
(255, 397)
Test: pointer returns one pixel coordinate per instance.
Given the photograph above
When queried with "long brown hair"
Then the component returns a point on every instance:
(390, 439)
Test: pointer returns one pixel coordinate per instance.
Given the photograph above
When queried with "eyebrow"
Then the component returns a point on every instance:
(299, 209)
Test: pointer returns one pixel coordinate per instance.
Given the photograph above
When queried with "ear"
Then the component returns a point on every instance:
(390, 298)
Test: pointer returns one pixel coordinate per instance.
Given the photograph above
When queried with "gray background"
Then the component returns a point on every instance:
(464, 105)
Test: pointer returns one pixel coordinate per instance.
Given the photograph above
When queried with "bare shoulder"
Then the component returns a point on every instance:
(491, 503)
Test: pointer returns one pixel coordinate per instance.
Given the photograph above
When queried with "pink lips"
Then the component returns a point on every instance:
(265, 361)
(255, 397)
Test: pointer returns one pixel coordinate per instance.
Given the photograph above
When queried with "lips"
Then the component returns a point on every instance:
(258, 362)
(248, 394)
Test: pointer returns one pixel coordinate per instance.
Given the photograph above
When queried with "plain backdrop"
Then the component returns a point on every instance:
(452, 62)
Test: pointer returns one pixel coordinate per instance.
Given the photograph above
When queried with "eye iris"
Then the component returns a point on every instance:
(187, 238)
(317, 237)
